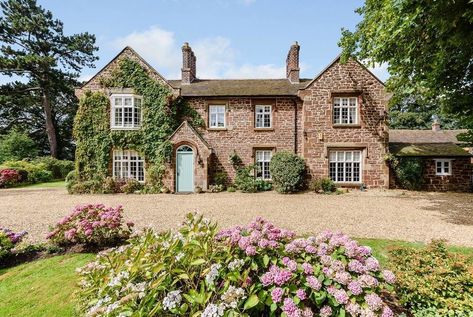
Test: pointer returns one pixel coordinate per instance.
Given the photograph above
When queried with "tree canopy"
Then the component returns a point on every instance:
(33, 45)
(427, 45)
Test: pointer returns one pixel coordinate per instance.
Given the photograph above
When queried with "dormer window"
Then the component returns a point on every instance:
(126, 111)
(345, 110)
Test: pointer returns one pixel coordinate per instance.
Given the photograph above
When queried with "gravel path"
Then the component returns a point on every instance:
(374, 214)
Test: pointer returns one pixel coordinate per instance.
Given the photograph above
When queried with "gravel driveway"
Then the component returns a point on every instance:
(389, 214)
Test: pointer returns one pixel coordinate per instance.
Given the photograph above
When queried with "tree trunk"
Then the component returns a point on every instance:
(50, 128)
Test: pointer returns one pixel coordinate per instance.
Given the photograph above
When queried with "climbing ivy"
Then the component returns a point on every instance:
(162, 114)
(408, 171)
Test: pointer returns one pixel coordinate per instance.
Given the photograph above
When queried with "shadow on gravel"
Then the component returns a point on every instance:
(456, 208)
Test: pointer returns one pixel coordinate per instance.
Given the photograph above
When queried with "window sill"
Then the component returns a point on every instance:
(443, 174)
(342, 125)
(264, 129)
(124, 129)
(349, 184)
(217, 129)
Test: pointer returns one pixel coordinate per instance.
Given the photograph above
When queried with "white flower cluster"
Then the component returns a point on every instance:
(213, 274)
(117, 280)
(179, 256)
(139, 288)
(235, 264)
(93, 310)
(213, 310)
(232, 296)
(171, 300)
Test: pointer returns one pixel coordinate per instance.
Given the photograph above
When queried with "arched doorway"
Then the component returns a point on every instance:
(184, 169)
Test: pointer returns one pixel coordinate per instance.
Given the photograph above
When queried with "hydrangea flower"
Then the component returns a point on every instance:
(276, 294)
(213, 310)
(171, 300)
(212, 274)
(374, 302)
(325, 311)
(389, 276)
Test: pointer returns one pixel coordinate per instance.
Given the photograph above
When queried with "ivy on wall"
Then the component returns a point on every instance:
(162, 114)
(408, 171)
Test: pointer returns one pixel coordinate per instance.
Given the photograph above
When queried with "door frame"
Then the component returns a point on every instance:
(192, 167)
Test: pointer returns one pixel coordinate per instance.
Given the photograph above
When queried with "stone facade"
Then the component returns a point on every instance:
(460, 180)
(370, 135)
(301, 117)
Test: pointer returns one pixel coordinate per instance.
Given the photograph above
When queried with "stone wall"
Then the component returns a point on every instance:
(370, 135)
(460, 180)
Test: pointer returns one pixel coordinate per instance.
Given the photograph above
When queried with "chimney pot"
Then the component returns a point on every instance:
(436, 125)
(292, 63)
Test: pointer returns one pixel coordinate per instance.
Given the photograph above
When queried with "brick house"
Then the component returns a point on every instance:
(336, 121)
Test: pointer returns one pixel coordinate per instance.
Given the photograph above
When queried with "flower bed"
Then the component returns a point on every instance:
(255, 270)
(91, 225)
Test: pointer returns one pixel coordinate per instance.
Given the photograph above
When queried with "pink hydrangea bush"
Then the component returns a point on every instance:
(324, 275)
(9, 177)
(8, 241)
(253, 270)
(91, 225)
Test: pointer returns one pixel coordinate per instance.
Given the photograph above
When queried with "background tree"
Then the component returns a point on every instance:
(428, 47)
(33, 45)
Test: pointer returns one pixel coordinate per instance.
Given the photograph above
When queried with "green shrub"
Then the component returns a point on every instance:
(249, 271)
(262, 185)
(58, 168)
(8, 241)
(231, 189)
(408, 171)
(433, 281)
(71, 180)
(37, 173)
(245, 179)
(322, 185)
(131, 186)
(287, 172)
(86, 187)
(16, 146)
(220, 179)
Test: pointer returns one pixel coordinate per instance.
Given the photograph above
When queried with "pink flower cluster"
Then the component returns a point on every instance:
(260, 234)
(90, 223)
(9, 176)
(276, 276)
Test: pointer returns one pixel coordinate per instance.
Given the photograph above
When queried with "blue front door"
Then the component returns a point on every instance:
(184, 169)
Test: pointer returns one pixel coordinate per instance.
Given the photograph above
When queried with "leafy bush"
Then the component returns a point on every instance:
(255, 270)
(287, 172)
(220, 179)
(86, 187)
(71, 180)
(8, 241)
(36, 173)
(408, 171)
(433, 281)
(262, 185)
(231, 189)
(91, 225)
(59, 168)
(323, 185)
(9, 177)
(248, 183)
(131, 186)
(17, 146)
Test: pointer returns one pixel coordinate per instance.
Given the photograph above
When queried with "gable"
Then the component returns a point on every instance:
(351, 74)
(186, 133)
(127, 52)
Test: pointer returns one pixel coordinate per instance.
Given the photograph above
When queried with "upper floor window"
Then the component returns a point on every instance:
(345, 110)
(263, 157)
(217, 116)
(443, 167)
(263, 116)
(345, 166)
(128, 164)
(126, 111)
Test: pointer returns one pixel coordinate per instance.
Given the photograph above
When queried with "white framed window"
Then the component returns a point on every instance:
(443, 167)
(345, 110)
(128, 164)
(126, 111)
(217, 116)
(263, 116)
(262, 159)
(345, 166)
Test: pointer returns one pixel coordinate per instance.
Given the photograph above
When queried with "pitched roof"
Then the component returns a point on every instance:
(186, 124)
(424, 136)
(239, 87)
(428, 150)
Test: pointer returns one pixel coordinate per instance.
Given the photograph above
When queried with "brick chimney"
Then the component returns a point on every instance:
(436, 125)
(292, 63)
(188, 64)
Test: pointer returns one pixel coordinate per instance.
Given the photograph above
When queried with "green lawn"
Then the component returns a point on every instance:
(41, 288)
(53, 184)
(46, 287)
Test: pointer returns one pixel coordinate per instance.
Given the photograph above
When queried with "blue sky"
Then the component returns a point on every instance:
(231, 38)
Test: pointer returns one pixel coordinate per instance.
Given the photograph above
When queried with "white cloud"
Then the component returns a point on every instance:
(381, 71)
(216, 57)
